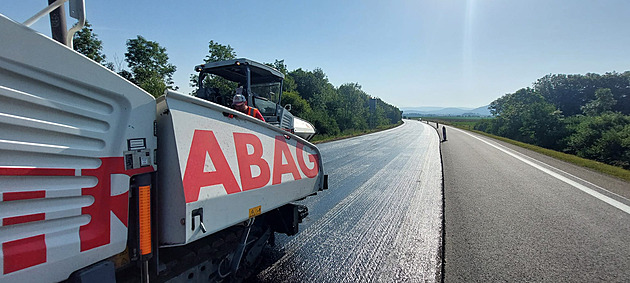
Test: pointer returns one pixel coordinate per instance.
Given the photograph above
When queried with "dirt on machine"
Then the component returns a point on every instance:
(101, 182)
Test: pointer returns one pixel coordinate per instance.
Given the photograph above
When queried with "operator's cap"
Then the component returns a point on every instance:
(238, 99)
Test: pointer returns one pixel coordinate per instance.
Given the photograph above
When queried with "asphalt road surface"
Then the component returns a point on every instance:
(512, 215)
(380, 220)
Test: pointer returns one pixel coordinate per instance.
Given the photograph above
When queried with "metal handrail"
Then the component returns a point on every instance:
(77, 11)
(44, 12)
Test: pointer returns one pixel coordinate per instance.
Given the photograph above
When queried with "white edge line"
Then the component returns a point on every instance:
(565, 173)
(577, 185)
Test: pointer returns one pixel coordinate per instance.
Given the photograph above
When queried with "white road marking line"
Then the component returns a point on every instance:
(623, 207)
(567, 173)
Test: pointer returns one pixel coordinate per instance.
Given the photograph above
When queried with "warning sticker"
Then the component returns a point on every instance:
(254, 211)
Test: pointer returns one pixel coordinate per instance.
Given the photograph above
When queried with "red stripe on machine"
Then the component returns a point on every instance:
(36, 172)
(31, 251)
(27, 252)
(97, 232)
(24, 253)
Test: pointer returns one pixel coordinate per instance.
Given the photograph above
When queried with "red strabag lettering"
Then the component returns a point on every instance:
(204, 142)
(245, 161)
(282, 149)
(312, 172)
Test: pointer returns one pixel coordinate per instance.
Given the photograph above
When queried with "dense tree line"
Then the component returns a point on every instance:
(335, 109)
(586, 115)
(332, 110)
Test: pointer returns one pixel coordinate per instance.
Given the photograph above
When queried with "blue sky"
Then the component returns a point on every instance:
(409, 53)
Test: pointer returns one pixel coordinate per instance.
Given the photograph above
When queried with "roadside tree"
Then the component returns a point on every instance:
(149, 65)
(216, 52)
(87, 43)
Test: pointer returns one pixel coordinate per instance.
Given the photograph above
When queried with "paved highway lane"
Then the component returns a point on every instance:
(510, 217)
(380, 221)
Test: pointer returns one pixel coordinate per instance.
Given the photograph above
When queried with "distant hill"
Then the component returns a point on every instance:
(424, 109)
(483, 110)
(449, 111)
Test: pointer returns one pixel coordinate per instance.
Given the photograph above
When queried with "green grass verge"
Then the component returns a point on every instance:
(468, 124)
(351, 133)
(591, 164)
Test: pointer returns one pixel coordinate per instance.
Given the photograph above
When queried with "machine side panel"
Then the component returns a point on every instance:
(65, 124)
(231, 167)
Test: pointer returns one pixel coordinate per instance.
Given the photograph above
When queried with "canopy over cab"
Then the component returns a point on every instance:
(261, 85)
